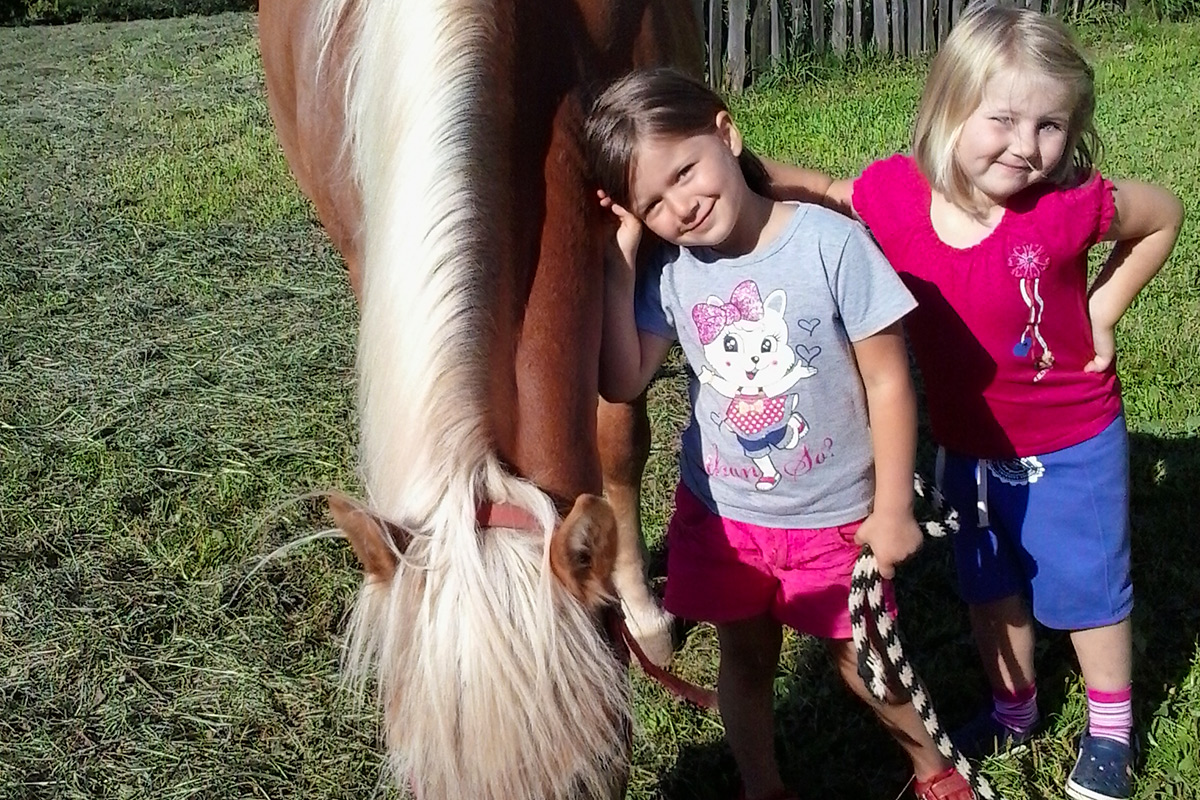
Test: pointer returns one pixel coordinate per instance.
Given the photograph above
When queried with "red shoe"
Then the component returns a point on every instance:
(948, 785)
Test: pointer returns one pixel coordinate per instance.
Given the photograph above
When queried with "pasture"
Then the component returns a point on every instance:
(176, 374)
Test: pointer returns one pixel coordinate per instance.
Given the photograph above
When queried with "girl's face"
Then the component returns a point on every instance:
(1016, 136)
(691, 191)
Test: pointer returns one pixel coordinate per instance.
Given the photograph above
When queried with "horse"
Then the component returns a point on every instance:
(440, 142)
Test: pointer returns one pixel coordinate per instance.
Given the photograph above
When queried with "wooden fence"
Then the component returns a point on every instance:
(775, 30)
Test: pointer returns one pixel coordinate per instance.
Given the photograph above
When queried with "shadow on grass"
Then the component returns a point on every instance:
(829, 745)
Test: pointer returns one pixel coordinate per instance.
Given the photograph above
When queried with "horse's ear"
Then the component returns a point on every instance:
(369, 535)
(583, 550)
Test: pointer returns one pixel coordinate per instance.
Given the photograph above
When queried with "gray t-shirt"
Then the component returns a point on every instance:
(779, 434)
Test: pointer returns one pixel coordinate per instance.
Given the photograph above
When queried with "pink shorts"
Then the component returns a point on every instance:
(720, 570)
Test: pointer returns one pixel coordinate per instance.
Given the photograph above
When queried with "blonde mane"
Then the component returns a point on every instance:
(492, 679)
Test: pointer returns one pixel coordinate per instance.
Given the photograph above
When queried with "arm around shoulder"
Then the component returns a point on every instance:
(789, 182)
(798, 184)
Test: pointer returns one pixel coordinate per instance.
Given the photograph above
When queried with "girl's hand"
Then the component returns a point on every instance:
(1104, 341)
(629, 233)
(892, 537)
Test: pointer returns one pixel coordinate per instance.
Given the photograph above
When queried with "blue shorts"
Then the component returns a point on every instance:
(1054, 528)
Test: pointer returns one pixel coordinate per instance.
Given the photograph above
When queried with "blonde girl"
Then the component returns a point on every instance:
(989, 222)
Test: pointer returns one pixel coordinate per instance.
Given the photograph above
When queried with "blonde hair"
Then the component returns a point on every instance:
(987, 40)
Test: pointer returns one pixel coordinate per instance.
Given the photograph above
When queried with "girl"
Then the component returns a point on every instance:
(802, 435)
(989, 223)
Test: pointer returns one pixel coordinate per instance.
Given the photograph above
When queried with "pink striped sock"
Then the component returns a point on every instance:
(1016, 710)
(1110, 714)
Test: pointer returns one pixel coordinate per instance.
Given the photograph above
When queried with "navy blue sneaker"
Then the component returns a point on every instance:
(1103, 771)
(987, 736)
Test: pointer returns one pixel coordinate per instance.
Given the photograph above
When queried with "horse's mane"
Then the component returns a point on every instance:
(479, 653)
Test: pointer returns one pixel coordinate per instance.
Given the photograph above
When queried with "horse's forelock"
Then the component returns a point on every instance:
(493, 680)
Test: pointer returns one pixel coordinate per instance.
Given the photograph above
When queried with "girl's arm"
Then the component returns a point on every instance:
(789, 182)
(1145, 227)
(628, 357)
(890, 529)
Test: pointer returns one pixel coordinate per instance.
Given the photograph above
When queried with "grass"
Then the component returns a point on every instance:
(176, 348)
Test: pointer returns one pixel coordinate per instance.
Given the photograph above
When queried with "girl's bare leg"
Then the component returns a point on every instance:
(749, 659)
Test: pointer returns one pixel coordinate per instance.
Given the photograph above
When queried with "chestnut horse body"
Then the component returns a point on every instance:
(440, 141)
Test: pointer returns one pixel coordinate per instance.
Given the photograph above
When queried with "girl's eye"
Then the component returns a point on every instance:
(1002, 120)
(1051, 126)
(683, 173)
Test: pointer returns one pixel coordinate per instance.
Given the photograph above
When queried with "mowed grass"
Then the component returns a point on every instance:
(177, 342)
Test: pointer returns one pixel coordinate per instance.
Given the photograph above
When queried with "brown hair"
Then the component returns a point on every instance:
(659, 102)
(987, 40)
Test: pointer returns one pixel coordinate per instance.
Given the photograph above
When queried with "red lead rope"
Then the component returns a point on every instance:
(705, 698)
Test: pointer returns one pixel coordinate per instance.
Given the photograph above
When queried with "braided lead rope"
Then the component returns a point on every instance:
(867, 608)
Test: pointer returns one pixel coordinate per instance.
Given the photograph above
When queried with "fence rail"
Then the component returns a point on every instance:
(744, 38)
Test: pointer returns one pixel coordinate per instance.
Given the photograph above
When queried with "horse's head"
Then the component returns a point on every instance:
(486, 639)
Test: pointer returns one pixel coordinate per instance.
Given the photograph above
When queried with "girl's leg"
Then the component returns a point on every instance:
(1004, 635)
(1106, 660)
(900, 720)
(1105, 655)
(749, 659)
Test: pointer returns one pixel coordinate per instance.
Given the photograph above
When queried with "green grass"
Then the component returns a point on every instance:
(176, 349)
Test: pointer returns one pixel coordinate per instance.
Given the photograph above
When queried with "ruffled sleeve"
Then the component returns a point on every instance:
(883, 194)
(1085, 213)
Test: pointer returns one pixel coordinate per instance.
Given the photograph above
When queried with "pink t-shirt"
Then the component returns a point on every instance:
(1001, 331)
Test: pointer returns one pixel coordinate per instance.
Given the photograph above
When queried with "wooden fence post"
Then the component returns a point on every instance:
(760, 37)
(735, 71)
(777, 33)
(797, 37)
(837, 32)
(856, 22)
(879, 30)
(716, 61)
(817, 20)
(913, 13)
